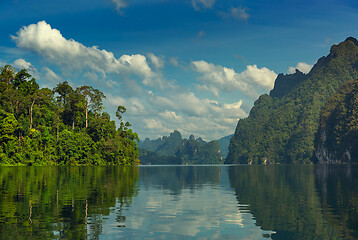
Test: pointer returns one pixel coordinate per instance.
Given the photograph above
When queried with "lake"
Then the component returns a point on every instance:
(179, 202)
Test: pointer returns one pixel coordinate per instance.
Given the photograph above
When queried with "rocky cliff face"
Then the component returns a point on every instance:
(337, 136)
(327, 155)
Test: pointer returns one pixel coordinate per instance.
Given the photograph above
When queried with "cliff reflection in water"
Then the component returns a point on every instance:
(338, 191)
(299, 201)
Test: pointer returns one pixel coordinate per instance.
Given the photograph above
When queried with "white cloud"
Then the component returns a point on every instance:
(301, 66)
(192, 115)
(71, 55)
(198, 4)
(157, 115)
(171, 115)
(235, 13)
(155, 61)
(120, 4)
(153, 124)
(45, 77)
(251, 82)
(49, 75)
(23, 64)
(236, 105)
(204, 87)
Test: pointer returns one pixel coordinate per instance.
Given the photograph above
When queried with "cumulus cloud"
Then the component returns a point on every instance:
(23, 64)
(193, 115)
(50, 75)
(171, 115)
(235, 13)
(252, 81)
(301, 66)
(157, 62)
(158, 114)
(45, 76)
(71, 55)
(199, 4)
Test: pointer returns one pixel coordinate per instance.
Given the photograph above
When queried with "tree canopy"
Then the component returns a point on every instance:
(63, 126)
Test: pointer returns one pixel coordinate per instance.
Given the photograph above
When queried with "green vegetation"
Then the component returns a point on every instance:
(63, 126)
(63, 202)
(281, 126)
(148, 157)
(337, 137)
(175, 150)
(194, 151)
(165, 146)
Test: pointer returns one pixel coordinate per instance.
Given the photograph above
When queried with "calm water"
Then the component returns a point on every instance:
(179, 202)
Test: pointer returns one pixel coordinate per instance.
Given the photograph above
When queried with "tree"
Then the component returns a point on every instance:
(63, 89)
(7, 74)
(8, 125)
(93, 100)
(44, 95)
(31, 120)
(76, 103)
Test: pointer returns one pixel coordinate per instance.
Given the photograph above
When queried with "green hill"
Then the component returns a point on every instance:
(281, 127)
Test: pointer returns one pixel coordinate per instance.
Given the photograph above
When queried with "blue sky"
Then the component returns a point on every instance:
(192, 65)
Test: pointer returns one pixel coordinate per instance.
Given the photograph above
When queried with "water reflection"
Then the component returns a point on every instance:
(176, 178)
(61, 202)
(185, 202)
(300, 202)
(179, 202)
(338, 190)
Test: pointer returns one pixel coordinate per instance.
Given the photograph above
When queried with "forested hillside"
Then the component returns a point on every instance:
(337, 138)
(62, 126)
(281, 126)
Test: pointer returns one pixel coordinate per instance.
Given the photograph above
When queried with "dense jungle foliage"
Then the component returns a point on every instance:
(337, 138)
(63, 126)
(281, 127)
(175, 150)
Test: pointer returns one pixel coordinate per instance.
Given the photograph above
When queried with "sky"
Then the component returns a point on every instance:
(196, 66)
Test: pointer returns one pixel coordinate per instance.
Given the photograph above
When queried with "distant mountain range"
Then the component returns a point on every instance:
(173, 149)
(282, 126)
